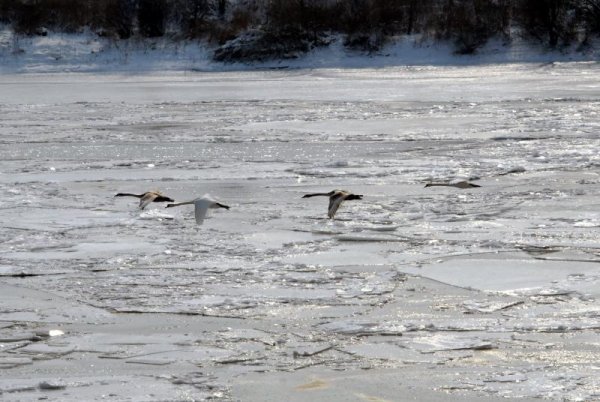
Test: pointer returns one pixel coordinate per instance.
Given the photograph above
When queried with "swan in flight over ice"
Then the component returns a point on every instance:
(201, 206)
(147, 197)
(336, 197)
(458, 184)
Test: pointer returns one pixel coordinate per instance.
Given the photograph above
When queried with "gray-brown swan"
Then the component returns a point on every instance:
(336, 197)
(458, 184)
(147, 197)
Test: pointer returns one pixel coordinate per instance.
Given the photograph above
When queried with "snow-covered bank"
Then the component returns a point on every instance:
(60, 52)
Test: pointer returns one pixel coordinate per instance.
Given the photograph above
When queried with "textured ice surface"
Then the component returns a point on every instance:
(479, 292)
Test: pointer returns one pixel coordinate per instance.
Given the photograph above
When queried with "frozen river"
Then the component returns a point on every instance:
(430, 293)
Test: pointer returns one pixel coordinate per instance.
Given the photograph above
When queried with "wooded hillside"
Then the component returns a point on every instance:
(366, 24)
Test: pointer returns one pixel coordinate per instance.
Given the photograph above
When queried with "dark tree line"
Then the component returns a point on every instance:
(123, 18)
(366, 23)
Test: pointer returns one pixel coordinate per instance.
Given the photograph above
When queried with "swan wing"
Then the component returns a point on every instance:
(208, 197)
(200, 208)
(463, 184)
(334, 204)
(147, 199)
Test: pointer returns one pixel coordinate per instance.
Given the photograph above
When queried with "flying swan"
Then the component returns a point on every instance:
(201, 206)
(458, 184)
(147, 197)
(336, 197)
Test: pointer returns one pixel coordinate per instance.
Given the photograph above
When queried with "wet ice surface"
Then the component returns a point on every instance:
(481, 292)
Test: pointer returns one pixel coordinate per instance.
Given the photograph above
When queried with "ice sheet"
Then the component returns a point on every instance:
(488, 291)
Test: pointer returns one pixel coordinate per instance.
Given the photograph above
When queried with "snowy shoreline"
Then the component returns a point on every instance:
(86, 52)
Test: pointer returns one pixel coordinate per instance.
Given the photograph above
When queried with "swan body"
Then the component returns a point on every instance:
(458, 184)
(201, 206)
(336, 197)
(147, 197)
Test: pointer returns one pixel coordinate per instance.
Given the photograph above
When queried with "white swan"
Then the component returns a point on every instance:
(201, 206)
(336, 197)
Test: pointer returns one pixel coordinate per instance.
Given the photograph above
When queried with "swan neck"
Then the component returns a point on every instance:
(128, 195)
